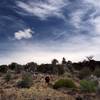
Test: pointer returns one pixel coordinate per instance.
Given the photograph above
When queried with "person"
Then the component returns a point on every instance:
(47, 79)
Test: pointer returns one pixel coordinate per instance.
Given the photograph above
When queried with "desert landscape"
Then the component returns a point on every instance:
(67, 81)
(49, 49)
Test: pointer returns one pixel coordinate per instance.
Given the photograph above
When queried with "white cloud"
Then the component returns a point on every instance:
(75, 47)
(44, 9)
(95, 3)
(25, 34)
(76, 18)
(92, 23)
(96, 23)
(95, 17)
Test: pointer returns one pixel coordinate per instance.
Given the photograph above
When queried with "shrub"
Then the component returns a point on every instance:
(26, 81)
(64, 83)
(87, 86)
(31, 67)
(51, 69)
(60, 69)
(85, 72)
(12, 66)
(45, 68)
(7, 77)
(97, 72)
(3, 68)
(15, 67)
(19, 69)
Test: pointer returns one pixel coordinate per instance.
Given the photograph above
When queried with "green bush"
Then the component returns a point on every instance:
(85, 72)
(64, 83)
(87, 86)
(7, 77)
(26, 81)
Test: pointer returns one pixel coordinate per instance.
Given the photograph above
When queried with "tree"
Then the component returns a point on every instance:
(31, 67)
(91, 63)
(64, 62)
(16, 67)
(45, 68)
(90, 58)
(3, 68)
(54, 62)
(12, 66)
(70, 66)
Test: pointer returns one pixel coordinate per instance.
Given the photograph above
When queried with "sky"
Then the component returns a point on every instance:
(40, 30)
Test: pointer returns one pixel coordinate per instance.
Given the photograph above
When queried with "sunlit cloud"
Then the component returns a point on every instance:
(25, 34)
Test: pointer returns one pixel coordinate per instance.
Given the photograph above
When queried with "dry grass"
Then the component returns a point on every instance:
(38, 91)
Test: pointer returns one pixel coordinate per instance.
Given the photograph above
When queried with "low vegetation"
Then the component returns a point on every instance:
(87, 86)
(8, 76)
(85, 72)
(97, 72)
(65, 79)
(26, 81)
(67, 83)
(3, 68)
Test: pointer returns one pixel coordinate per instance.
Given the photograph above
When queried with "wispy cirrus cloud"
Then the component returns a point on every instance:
(95, 3)
(86, 18)
(76, 18)
(95, 16)
(43, 9)
(96, 23)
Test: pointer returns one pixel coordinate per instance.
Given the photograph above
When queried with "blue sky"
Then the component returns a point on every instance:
(40, 30)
